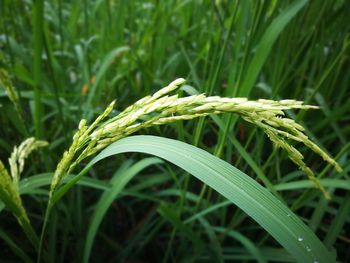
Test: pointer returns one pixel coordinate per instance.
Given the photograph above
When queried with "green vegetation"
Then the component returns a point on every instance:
(241, 169)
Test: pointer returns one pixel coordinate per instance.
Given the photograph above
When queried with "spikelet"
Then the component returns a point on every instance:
(20, 153)
(6, 83)
(9, 194)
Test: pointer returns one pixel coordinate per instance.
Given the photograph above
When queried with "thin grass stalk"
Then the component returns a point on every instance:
(212, 84)
(50, 58)
(37, 64)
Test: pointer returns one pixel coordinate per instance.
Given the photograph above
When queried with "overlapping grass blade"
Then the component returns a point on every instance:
(334, 183)
(94, 94)
(248, 244)
(338, 222)
(169, 214)
(266, 43)
(118, 182)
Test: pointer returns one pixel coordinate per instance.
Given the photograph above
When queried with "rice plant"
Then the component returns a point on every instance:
(249, 155)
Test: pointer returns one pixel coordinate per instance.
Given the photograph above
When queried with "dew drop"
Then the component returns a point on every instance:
(289, 215)
(315, 261)
(300, 239)
(308, 249)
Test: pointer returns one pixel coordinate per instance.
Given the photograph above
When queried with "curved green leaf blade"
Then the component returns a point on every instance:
(251, 197)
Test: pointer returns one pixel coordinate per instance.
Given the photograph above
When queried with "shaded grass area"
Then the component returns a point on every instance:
(69, 60)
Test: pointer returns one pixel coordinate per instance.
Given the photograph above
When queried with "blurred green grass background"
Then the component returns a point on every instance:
(70, 59)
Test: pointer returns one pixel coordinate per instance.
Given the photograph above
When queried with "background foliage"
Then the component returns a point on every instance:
(69, 59)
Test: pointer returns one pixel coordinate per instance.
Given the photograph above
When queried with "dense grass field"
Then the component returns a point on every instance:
(221, 180)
